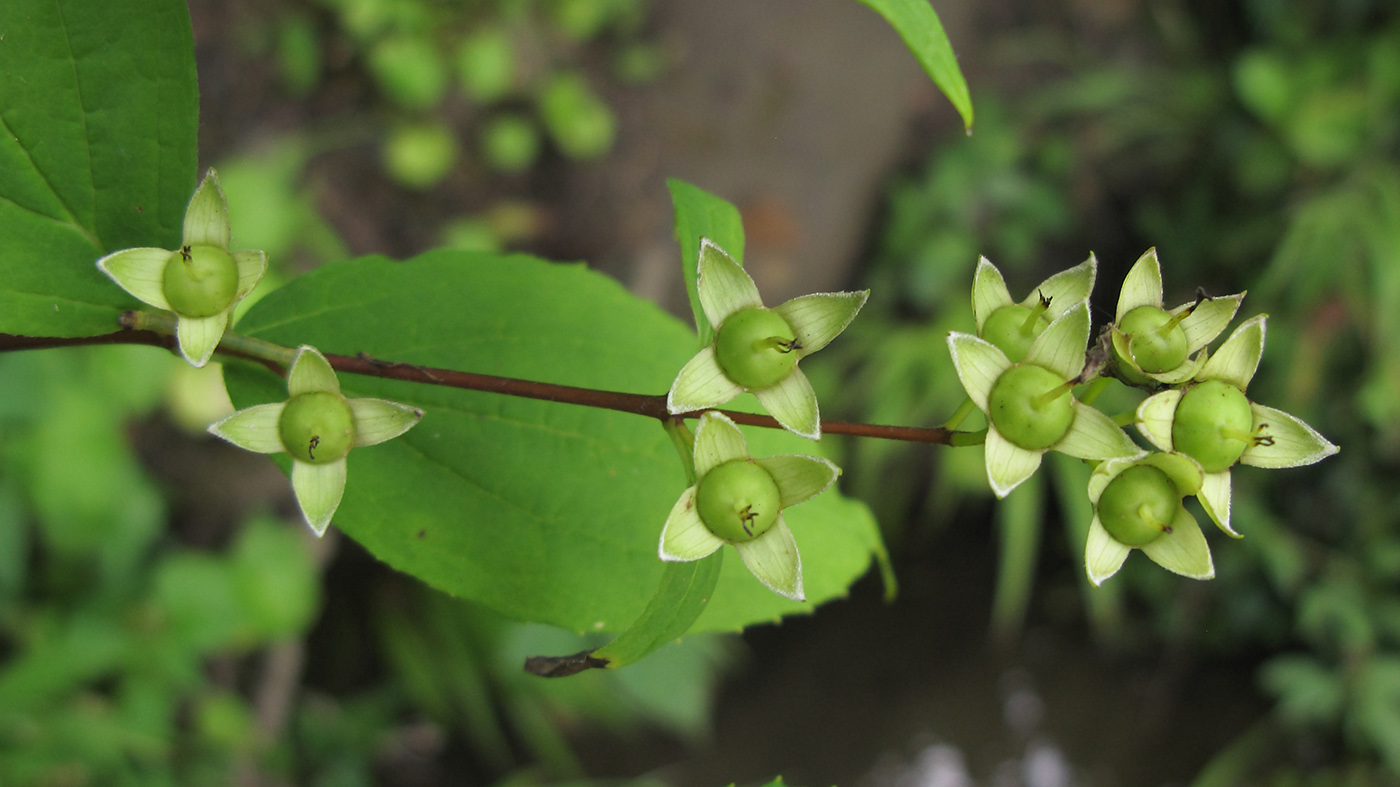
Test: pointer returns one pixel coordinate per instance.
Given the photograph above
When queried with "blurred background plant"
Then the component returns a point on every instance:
(161, 632)
(1255, 146)
(447, 95)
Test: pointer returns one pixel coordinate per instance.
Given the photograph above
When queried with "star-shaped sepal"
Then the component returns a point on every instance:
(317, 426)
(1214, 422)
(1029, 405)
(1137, 505)
(757, 349)
(200, 282)
(739, 500)
(1013, 326)
(1155, 346)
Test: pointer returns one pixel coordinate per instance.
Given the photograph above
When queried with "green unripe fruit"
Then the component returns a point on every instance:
(756, 348)
(738, 501)
(1012, 329)
(1156, 343)
(317, 427)
(1023, 408)
(1213, 425)
(1139, 505)
(199, 281)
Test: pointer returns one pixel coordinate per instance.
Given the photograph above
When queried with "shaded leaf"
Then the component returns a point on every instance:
(98, 114)
(542, 511)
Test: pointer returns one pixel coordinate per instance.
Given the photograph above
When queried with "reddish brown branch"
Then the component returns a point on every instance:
(652, 406)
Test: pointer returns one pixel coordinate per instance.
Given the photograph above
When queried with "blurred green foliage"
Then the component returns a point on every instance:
(489, 80)
(129, 657)
(1256, 149)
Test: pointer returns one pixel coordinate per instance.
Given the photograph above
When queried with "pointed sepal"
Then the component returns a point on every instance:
(989, 292)
(1215, 499)
(1142, 286)
(1061, 347)
(140, 272)
(818, 318)
(1066, 288)
(199, 337)
(979, 363)
(206, 218)
(1095, 436)
(1007, 463)
(318, 489)
(1155, 416)
(685, 537)
(1184, 550)
(1208, 319)
(1282, 440)
(773, 558)
(799, 478)
(310, 372)
(1186, 473)
(253, 429)
(723, 285)
(1103, 554)
(717, 440)
(1238, 357)
(701, 384)
(251, 267)
(377, 420)
(794, 404)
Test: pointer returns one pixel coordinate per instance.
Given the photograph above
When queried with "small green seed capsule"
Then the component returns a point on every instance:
(1026, 410)
(738, 501)
(317, 427)
(1012, 329)
(1157, 343)
(1139, 505)
(756, 348)
(1213, 425)
(199, 281)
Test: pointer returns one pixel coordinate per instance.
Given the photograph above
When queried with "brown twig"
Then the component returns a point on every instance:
(649, 405)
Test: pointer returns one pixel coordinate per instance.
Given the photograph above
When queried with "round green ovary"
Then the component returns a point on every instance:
(1212, 425)
(199, 281)
(1012, 330)
(1154, 349)
(1019, 413)
(738, 501)
(317, 427)
(750, 347)
(1137, 506)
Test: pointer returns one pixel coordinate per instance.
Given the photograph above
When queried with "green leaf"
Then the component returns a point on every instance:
(685, 590)
(98, 115)
(917, 23)
(700, 214)
(542, 511)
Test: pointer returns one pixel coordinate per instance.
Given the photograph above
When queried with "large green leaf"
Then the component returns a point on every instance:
(700, 214)
(544, 512)
(98, 116)
(917, 23)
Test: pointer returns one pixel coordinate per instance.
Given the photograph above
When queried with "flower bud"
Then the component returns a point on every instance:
(738, 500)
(199, 281)
(317, 427)
(1138, 506)
(1213, 425)
(756, 348)
(1155, 339)
(1024, 407)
